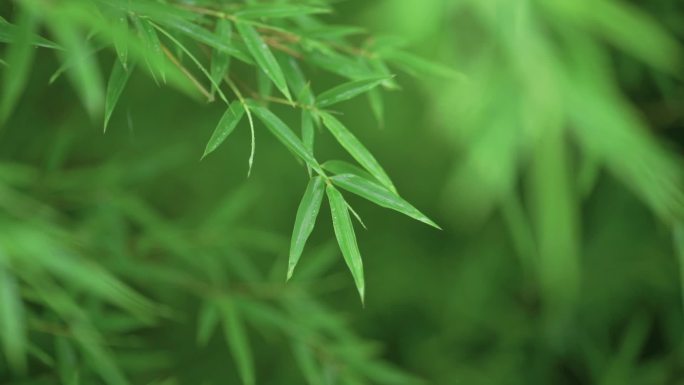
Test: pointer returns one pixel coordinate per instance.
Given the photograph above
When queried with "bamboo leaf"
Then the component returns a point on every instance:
(285, 135)
(204, 36)
(305, 220)
(306, 360)
(380, 196)
(84, 72)
(346, 239)
(10, 33)
(236, 337)
(207, 322)
(19, 57)
(220, 60)
(416, 65)
(120, 44)
(225, 126)
(150, 41)
(347, 91)
(271, 11)
(356, 150)
(342, 167)
(12, 322)
(117, 81)
(263, 56)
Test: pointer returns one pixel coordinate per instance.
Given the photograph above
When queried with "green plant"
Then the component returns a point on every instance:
(50, 285)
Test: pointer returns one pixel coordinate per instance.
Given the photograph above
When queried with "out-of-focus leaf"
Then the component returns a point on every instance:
(380, 196)
(418, 66)
(225, 126)
(220, 60)
(357, 150)
(263, 56)
(10, 33)
(347, 91)
(12, 320)
(377, 106)
(270, 11)
(346, 239)
(117, 81)
(208, 320)
(19, 57)
(284, 134)
(305, 220)
(306, 360)
(84, 72)
(236, 337)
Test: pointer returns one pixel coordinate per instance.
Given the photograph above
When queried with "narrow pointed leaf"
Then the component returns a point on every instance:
(10, 33)
(347, 91)
(204, 36)
(19, 56)
(346, 239)
(262, 11)
(305, 220)
(150, 41)
(115, 86)
(12, 322)
(263, 56)
(285, 135)
(377, 105)
(379, 195)
(208, 321)
(120, 44)
(306, 360)
(418, 66)
(84, 72)
(220, 59)
(225, 126)
(357, 150)
(236, 337)
(342, 167)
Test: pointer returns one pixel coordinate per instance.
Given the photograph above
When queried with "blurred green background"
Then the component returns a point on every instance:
(552, 165)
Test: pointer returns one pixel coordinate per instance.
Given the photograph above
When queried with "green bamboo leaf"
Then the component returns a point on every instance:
(19, 57)
(9, 33)
(83, 72)
(346, 239)
(225, 126)
(207, 321)
(418, 66)
(347, 91)
(377, 105)
(120, 43)
(150, 41)
(306, 359)
(117, 81)
(263, 56)
(238, 343)
(285, 135)
(264, 84)
(305, 220)
(12, 321)
(220, 60)
(342, 167)
(357, 150)
(380, 196)
(308, 129)
(271, 11)
(204, 36)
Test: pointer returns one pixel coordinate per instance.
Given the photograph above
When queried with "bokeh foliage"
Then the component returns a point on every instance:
(547, 148)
